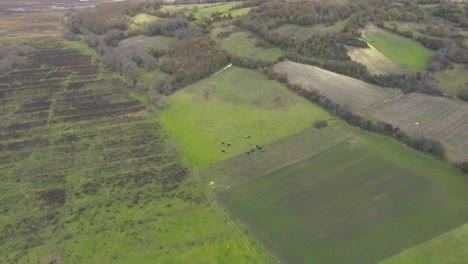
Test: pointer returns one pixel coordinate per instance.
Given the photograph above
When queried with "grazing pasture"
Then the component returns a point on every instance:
(289, 150)
(349, 92)
(374, 60)
(230, 105)
(361, 200)
(243, 44)
(403, 51)
(439, 118)
(87, 175)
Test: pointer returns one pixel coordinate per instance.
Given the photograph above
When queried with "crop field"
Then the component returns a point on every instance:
(242, 44)
(349, 92)
(449, 248)
(359, 200)
(87, 175)
(435, 117)
(403, 51)
(453, 81)
(374, 60)
(230, 105)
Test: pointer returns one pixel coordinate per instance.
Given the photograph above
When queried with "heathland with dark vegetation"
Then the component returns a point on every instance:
(253, 131)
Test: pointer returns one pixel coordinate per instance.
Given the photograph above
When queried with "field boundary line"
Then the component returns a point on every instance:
(228, 219)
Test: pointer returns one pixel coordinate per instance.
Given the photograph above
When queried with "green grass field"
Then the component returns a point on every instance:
(403, 51)
(448, 248)
(87, 175)
(359, 201)
(232, 104)
(453, 80)
(243, 44)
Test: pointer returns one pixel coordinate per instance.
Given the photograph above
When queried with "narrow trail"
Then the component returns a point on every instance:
(228, 219)
(223, 69)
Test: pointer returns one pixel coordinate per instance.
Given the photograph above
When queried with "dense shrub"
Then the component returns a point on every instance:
(166, 26)
(463, 166)
(9, 56)
(321, 124)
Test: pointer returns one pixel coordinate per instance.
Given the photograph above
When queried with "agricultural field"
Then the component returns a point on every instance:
(352, 93)
(405, 52)
(359, 200)
(374, 60)
(88, 175)
(234, 103)
(243, 44)
(435, 117)
(453, 81)
(416, 114)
